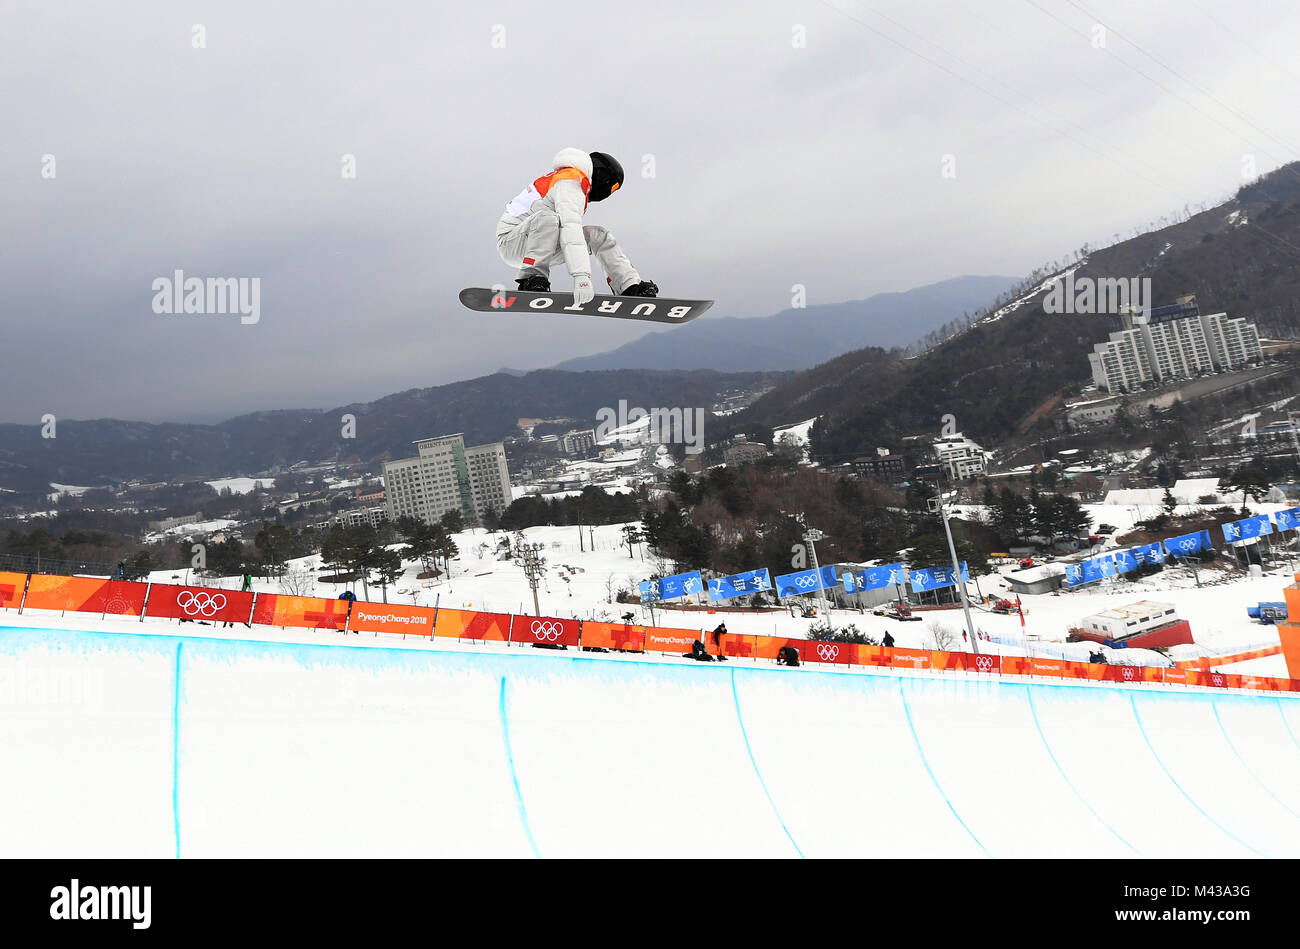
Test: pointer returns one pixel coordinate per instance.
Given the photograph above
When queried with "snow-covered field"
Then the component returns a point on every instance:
(71, 490)
(241, 485)
(184, 530)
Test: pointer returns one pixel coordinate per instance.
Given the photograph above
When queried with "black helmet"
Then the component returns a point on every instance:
(606, 176)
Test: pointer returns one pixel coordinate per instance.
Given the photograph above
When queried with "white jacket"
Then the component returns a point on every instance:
(566, 195)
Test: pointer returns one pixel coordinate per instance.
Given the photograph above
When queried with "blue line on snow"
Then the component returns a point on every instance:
(176, 752)
(1282, 712)
(735, 697)
(1138, 718)
(907, 710)
(1249, 769)
(1029, 694)
(514, 778)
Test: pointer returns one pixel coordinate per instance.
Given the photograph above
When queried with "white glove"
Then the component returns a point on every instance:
(583, 291)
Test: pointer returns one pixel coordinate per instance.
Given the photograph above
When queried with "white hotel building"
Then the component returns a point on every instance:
(1158, 349)
(446, 475)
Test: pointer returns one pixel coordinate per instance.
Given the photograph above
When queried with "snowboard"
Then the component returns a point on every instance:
(648, 309)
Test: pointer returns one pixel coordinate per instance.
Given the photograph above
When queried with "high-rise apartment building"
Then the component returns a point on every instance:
(446, 475)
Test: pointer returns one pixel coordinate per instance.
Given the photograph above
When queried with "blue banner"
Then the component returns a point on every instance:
(806, 581)
(1125, 561)
(1247, 528)
(874, 578)
(1288, 520)
(1187, 544)
(1148, 554)
(670, 588)
(793, 584)
(1094, 569)
(739, 584)
(935, 578)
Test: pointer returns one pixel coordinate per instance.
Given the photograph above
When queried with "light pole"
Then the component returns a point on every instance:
(812, 536)
(956, 568)
(534, 568)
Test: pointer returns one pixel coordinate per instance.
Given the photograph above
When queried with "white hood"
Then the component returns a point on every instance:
(572, 158)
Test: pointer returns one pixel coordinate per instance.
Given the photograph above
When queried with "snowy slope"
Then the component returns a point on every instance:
(153, 745)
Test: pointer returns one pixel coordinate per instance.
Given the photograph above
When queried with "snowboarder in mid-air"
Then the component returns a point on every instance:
(542, 226)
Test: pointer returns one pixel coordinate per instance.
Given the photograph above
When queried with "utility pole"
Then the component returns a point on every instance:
(1294, 419)
(956, 567)
(534, 568)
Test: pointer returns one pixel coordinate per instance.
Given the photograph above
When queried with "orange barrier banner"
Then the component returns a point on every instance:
(81, 594)
(1289, 636)
(391, 618)
(983, 662)
(548, 630)
(471, 624)
(838, 653)
(948, 661)
(909, 658)
(613, 636)
(126, 598)
(1084, 670)
(667, 639)
(1177, 676)
(738, 646)
(1124, 673)
(766, 647)
(199, 603)
(11, 589)
(1046, 667)
(1209, 662)
(311, 612)
(1016, 665)
(865, 655)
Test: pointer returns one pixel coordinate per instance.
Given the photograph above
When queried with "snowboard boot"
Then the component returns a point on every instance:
(534, 283)
(646, 288)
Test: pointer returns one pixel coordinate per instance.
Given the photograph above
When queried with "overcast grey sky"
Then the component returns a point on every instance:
(776, 162)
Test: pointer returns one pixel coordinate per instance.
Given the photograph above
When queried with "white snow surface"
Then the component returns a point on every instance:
(241, 485)
(151, 740)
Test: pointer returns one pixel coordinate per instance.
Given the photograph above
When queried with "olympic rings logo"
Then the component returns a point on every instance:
(804, 581)
(1187, 545)
(1216, 678)
(201, 603)
(1128, 672)
(827, 651)
(984, 663)
(547, 630)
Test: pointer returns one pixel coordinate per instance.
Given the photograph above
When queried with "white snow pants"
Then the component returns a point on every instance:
(536, 235)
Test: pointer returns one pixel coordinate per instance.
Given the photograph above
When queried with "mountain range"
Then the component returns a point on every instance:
(800, 338)
(1001, 376)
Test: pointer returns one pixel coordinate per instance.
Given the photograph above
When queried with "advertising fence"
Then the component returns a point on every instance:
(310, 612)
(205, 604)
(12, 587)
(219, 606)
(391, 618)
